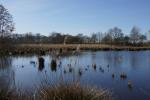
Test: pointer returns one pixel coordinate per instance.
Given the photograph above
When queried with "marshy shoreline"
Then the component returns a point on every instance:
(73, 91)
(44, 48)
(61, 91)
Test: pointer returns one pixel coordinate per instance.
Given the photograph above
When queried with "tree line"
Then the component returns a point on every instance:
(113, 36)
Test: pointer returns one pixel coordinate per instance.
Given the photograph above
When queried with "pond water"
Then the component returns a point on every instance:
(90, 68)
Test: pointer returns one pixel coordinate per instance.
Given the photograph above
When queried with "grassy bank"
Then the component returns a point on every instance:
(43, 48)
(58, 92)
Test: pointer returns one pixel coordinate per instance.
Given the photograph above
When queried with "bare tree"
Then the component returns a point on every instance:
(99, 36)
(116, 34)
(94, 38)
(142, 38)
(147, 34)
(135, 34)
(107, 38)
(6, 22)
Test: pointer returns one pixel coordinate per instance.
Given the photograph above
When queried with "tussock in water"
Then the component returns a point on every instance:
(123, 76)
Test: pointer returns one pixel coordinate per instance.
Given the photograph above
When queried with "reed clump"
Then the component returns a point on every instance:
(72, 91)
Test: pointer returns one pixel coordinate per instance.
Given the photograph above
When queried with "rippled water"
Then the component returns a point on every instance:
(90, 68)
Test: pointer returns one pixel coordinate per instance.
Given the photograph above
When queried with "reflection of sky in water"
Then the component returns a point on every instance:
(136, 64)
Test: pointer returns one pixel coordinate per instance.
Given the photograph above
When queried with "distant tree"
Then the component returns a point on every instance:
(126, 39)
(142, 38)
(99, 36)
(107, 38)
(6, 22)
(147, 34)
(57, 38)
(86, 39)
(55, 34)
(116, 34)
(135, 34)
(81, 37)
(29, 38)
(94, 38)
(38, 37)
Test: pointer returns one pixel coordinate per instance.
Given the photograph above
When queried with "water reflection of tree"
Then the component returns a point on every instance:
(53, 65)
(5, 62)
(113, 58)
(134, 59)
(41, 63)
(117, 59)
(93, 59)
(109, 57)
(7, 73)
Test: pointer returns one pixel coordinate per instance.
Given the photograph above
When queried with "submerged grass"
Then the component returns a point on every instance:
(73, 91)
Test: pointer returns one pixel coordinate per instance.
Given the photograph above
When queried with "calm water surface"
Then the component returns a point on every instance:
(25, 72)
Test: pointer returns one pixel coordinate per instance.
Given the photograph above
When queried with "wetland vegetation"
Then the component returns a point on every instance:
(104, 66)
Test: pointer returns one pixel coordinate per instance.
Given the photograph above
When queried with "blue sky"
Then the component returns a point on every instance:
(78, 16)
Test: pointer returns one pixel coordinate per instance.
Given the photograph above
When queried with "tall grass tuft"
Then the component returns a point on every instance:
(64, 91)
(73, 91)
